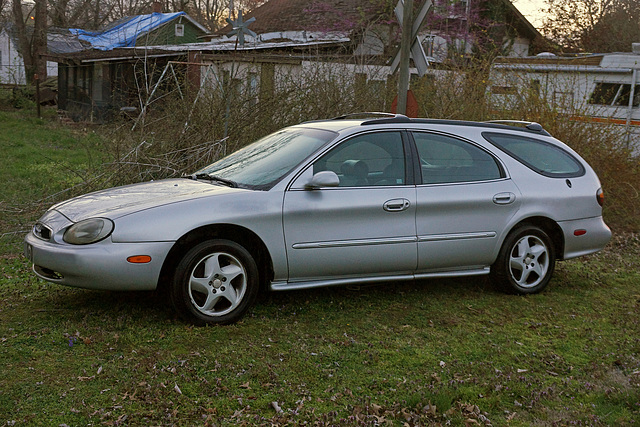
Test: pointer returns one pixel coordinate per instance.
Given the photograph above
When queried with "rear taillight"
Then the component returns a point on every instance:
(600, 197)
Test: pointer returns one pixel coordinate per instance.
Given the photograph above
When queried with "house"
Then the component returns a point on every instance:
(11, 63)
(358, 39)
(294, 37)
(98, 78)
(598, 88)
(452, 28)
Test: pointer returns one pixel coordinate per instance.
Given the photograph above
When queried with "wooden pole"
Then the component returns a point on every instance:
(405, 54)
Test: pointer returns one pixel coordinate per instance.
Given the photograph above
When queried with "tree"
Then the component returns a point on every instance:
(32, 38)
(593, 25)
(616, 30)
(86, 14)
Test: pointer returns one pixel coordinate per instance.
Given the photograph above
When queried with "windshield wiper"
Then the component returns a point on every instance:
(227, 182)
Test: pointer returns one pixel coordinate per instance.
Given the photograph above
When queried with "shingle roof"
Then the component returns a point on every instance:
(338, 15)
(309, 15)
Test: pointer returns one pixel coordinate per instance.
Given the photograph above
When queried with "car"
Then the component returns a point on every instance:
(352, 200)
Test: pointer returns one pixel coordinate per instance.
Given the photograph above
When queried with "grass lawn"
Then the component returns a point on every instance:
(424, 352)
(429, 352)
(41, 162)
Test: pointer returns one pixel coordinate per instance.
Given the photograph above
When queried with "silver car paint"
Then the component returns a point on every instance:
(116, 202)
(335, 246)
(338, 243)
(460, 225)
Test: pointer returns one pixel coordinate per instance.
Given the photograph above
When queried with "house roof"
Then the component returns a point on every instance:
(218, 46)
(309, 15)
(340, 15)
(58, 40)
(614, 62)
(521, 22)
(125, 32)
(61, 41)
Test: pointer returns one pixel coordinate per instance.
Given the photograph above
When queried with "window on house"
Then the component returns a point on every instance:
(535, 87)
(625, 93)
(226, 78)
(236, 87)
(252, 84)
(464, 6)
(614, 94)
(179, 30)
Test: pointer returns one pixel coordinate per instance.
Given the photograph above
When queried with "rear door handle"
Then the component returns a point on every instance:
(504, 198)
(396, 205)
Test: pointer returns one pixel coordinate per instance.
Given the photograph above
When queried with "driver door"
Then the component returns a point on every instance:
(363, 227)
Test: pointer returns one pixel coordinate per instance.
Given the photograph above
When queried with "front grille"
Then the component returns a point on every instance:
(41, 231)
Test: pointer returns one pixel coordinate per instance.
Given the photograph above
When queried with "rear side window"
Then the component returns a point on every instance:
(540, 156)
(445, 160)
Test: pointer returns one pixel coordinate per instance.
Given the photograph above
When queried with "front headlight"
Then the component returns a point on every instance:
(88, 231)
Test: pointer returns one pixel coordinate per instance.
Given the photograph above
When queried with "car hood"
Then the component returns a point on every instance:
(119, 201)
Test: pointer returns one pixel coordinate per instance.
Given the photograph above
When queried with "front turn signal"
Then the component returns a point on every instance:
(139, 259)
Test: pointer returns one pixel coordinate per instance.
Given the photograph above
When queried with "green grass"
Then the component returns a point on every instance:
(40, 159)
(429, 352)
(41, 163)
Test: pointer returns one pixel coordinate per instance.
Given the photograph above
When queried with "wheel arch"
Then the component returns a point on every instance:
(550, 227)
(240, 235)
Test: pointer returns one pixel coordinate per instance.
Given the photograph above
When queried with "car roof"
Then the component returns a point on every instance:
(342, 123)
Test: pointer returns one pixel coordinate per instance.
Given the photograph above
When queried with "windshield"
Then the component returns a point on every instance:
(263, 163)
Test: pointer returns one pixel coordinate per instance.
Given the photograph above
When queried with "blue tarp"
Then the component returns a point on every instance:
(125, 33)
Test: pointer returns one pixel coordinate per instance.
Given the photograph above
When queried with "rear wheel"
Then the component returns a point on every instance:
(216, 282)
(526, 261)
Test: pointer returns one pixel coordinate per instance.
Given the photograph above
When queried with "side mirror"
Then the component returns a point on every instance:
(323, 179)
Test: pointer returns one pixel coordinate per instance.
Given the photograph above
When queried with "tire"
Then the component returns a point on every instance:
(526, 261)
(216, 282)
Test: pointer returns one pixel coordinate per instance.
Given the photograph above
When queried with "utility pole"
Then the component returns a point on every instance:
(405, 54)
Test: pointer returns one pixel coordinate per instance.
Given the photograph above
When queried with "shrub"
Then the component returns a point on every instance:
(190, 131)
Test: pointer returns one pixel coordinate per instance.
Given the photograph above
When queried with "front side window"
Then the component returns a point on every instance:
(444, 159)
(542, 157)
(371, 159)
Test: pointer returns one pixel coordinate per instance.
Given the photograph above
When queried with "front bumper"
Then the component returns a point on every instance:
(584, 236)
(101, 265)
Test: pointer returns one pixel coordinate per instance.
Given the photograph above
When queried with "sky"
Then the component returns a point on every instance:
(531, 9)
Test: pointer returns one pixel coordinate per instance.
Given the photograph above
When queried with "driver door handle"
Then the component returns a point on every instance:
(396, 205)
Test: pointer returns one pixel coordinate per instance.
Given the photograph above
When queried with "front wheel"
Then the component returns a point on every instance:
(216, 282)
(526, 261)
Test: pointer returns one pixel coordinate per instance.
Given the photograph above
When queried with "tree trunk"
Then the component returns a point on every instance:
(32, 42)
(24, 41)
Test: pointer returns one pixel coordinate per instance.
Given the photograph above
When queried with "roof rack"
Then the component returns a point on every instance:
(366, 114)
(537, 127)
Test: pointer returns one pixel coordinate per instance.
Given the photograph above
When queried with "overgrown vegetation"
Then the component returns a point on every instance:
(432, 352)
(233, 114)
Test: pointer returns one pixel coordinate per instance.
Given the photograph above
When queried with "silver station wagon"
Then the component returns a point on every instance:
(351, 200)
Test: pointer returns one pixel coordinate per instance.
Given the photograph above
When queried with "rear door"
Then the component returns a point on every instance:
(464, 202)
